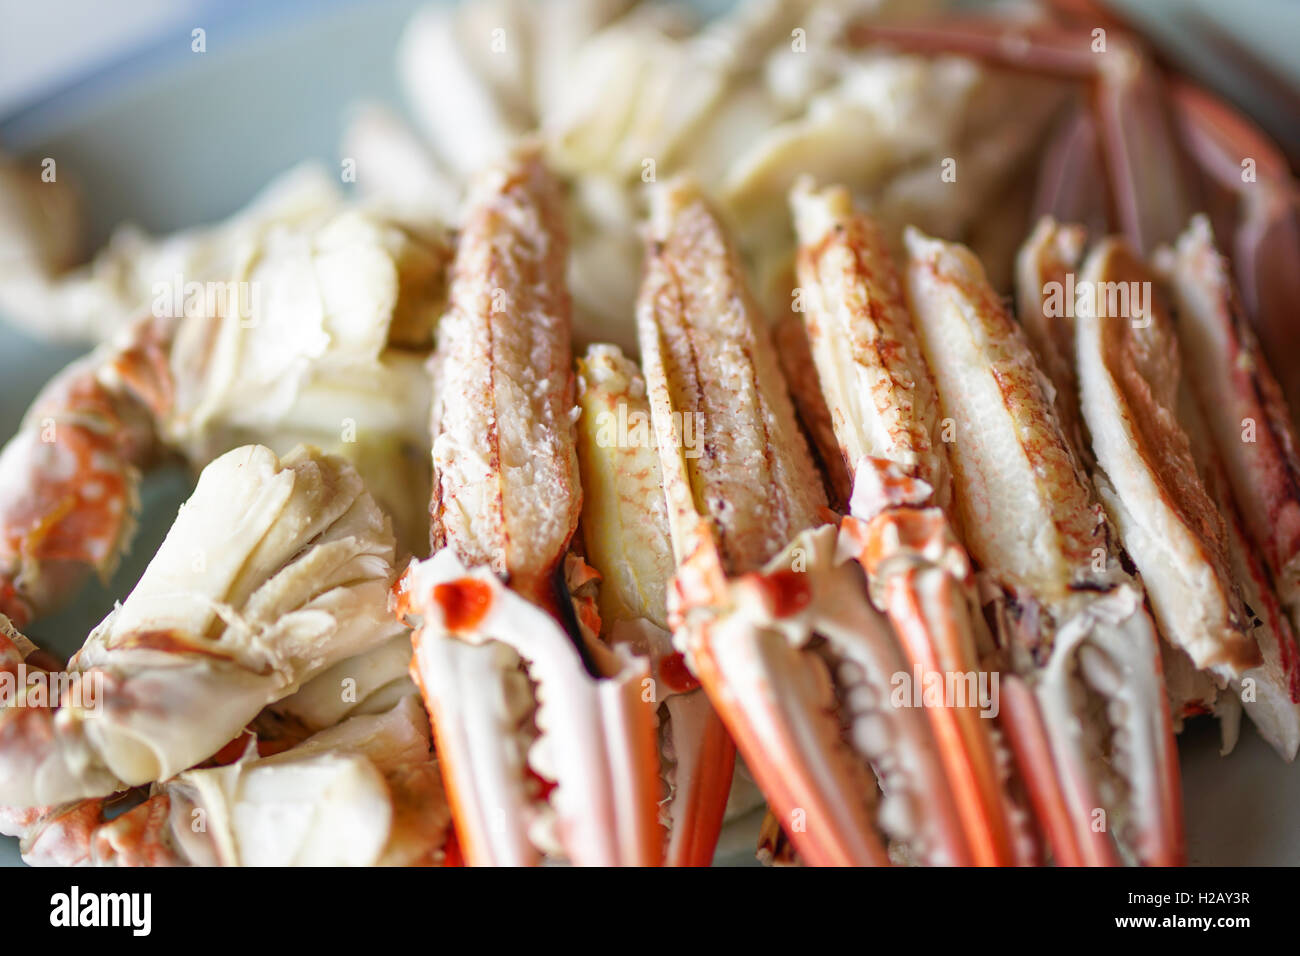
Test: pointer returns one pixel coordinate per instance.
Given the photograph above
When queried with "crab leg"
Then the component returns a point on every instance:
(884, 412)
(694, 310)
(781, 633)
(496, 664)
(1264, 691)
(1265, 239)
(1071, 618)
(1249, 423)
(714, 367)
(625, 530)
(1241, 414)
(1047, 266)
(69, 477)
(1128, 375)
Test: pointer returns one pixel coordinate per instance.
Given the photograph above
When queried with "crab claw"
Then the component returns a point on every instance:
(800, 660)
(781, 633)
(884, 412)
(1071, 619)
(921, 578)
(478, 645)
(523, 701)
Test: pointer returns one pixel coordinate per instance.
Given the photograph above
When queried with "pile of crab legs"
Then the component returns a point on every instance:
(1009, 547)
(1088, 501)
(1052, 502)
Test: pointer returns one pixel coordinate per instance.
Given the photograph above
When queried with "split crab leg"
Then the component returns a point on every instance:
(1048, 267)
(1241, 415)
(1249, 422)
(1129, 372)
(1051, 259)
(274, 570)
(885, 415)
(521, 699)
(1265, 691)
(780, 632)
(628, 542)
(1071, 619)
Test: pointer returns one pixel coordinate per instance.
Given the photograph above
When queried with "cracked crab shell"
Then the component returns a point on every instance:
(273, 571)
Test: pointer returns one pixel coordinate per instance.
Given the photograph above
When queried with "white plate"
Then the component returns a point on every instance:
(170, 138)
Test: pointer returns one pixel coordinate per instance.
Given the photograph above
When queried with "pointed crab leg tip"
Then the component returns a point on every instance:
(932, 620)
(545, 740)
(764, 692)
(1071, 845)
(703, 784)
(462, 688)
